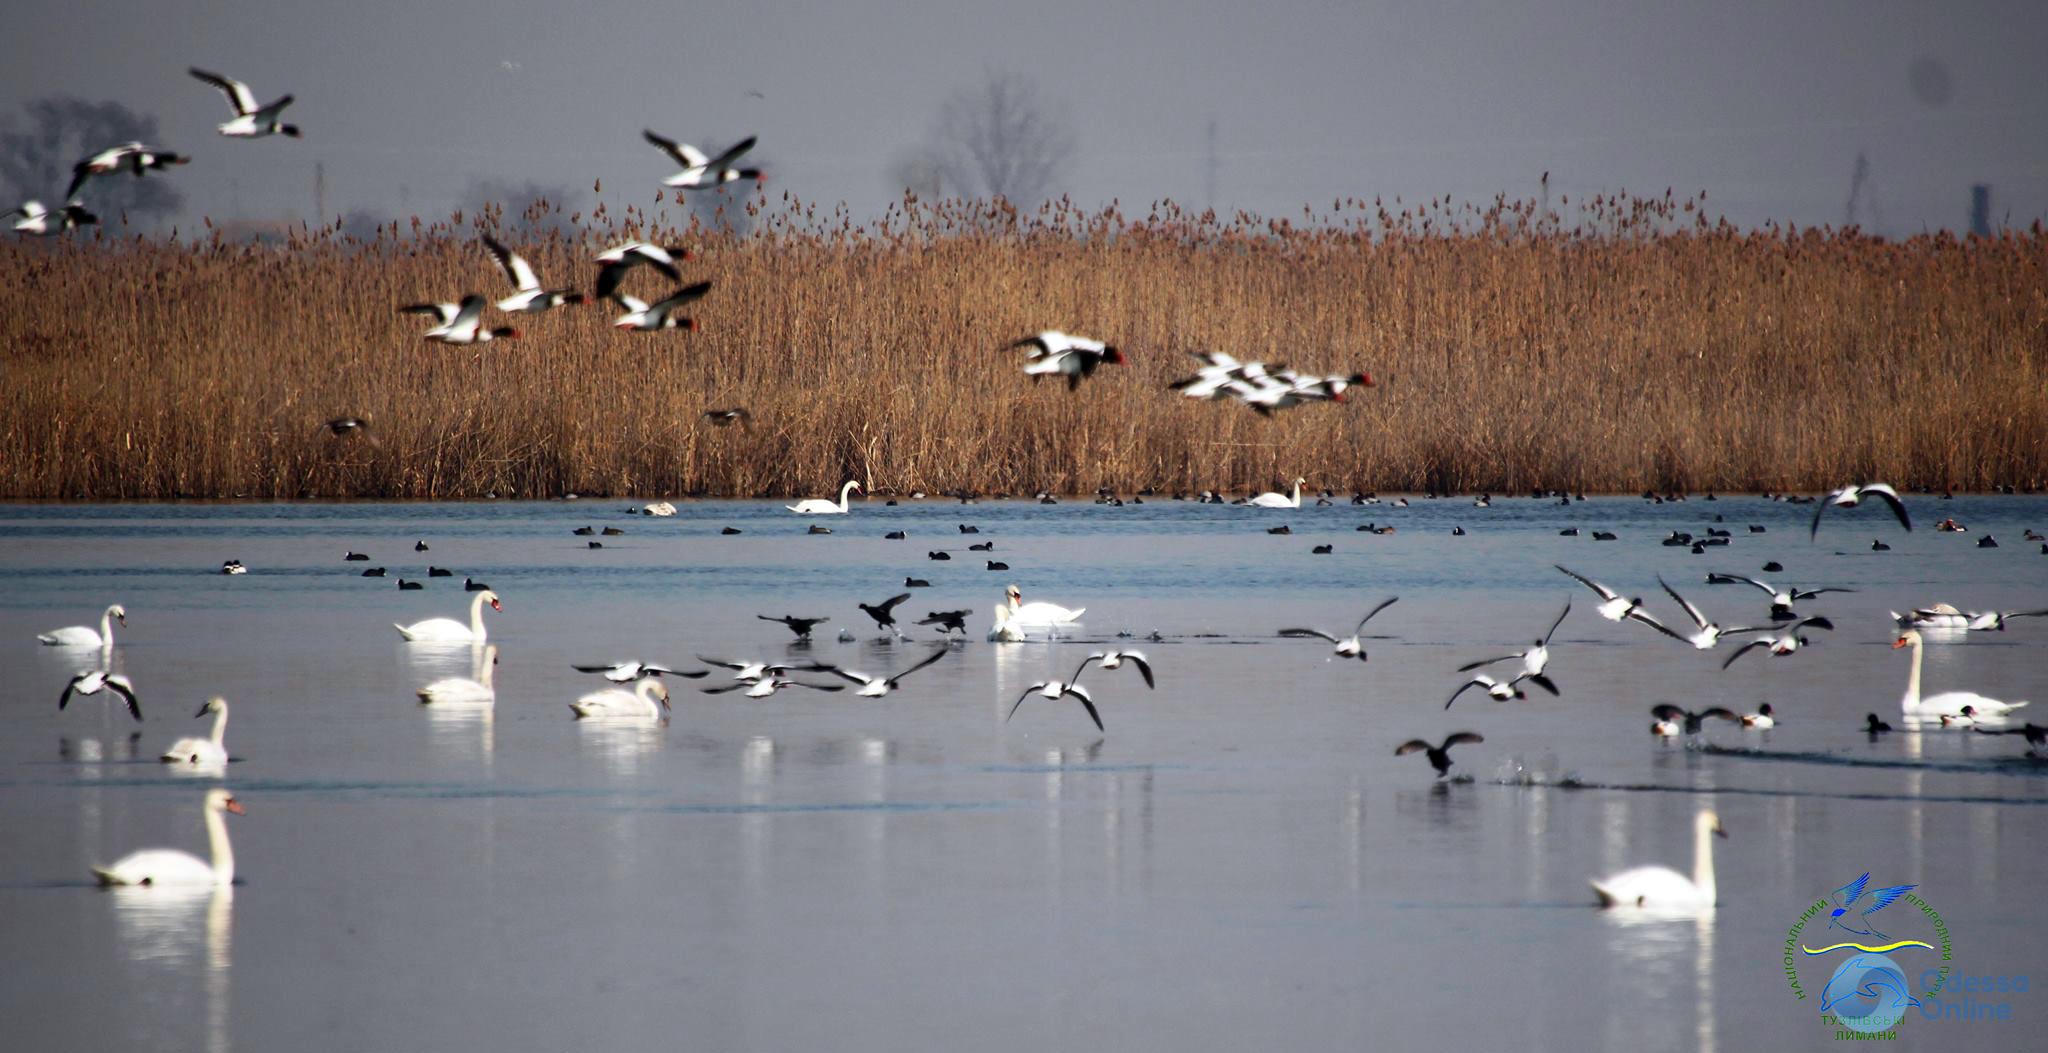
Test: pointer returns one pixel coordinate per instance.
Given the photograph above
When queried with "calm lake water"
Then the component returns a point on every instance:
(1239, 862)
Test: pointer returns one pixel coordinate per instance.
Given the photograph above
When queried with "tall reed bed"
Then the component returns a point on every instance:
(1635, 346)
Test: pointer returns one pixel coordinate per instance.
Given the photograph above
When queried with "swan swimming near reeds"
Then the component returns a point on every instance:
(1271, 499)
(818, 506)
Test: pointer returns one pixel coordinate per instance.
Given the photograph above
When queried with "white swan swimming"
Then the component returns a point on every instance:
(461, 690)
(1270, 499)
(1039, 613)
(647, 701)
(84, 636)
(1935, 616)
(1005, 631)
(1662, 888)
(168, 866)
(818, 506)
(448, 630)
(207, 752)
(1943, 616)
(1948, 703)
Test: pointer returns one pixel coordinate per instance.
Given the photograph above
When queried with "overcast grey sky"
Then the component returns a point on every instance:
(1762, 105)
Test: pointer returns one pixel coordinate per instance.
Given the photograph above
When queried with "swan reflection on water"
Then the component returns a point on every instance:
(462, 731)
(177, 933)
(624, 745)
(429, 659)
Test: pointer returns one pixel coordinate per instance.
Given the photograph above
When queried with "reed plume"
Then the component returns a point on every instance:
(1637, 345)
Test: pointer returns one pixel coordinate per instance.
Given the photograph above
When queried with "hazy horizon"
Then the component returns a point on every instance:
(1765, 110)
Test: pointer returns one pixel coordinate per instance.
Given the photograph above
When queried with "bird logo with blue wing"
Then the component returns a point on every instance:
(1847, 898)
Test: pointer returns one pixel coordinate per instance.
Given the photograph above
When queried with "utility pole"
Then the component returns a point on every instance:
(1857, 178)
(1212, 164)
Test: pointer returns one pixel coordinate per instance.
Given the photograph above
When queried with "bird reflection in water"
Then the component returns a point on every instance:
(173, 931)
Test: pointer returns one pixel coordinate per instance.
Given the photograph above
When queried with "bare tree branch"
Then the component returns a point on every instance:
(1001, 139)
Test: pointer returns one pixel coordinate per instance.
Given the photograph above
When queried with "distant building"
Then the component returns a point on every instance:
(1980, 208)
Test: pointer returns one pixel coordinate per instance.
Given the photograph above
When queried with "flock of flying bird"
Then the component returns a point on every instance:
(461, 321)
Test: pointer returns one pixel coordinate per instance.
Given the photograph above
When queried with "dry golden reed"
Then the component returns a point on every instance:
(1639, 347)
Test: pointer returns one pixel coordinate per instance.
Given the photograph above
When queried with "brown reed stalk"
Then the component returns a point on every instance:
(1634, 345)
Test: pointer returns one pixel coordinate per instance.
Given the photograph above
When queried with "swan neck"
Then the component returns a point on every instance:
(223, 853)
(645, 689)
(476, 616)
(1703, 858)
(1912, 699)
(220, 725)
(107, 628)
